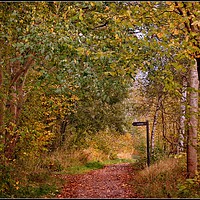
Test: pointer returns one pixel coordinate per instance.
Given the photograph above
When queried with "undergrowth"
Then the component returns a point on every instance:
(39, 176)
(165, 178)
(18, 183)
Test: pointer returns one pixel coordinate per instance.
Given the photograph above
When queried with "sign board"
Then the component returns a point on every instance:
(139, 123)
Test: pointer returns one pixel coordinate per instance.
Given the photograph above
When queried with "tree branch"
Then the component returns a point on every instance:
(101, 26)
(25, 68)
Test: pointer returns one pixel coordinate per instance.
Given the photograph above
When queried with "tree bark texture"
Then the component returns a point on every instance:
(14, 104)
(193, 123)
(182, 136)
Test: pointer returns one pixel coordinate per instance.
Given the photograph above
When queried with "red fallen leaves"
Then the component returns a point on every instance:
(110, 182)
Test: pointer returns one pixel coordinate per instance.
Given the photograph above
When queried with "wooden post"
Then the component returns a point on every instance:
(147, 129)
(148, 150)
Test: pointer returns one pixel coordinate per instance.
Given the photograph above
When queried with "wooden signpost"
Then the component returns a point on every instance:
(147, 129)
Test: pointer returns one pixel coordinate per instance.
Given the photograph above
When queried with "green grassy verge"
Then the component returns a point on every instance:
(118, 161)
(79, 169)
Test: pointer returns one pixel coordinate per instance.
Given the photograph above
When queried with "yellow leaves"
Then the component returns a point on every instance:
(44, 138)
(74, 87)
(176, 32)
(88, 53)
(107, 143)
(92, 4)
(168, 3)
(52, 123)
(39, 126)
(80, 50)
(81, 15)
(160, 35)
(110, 73)
(114, 18)
(187, 38)
(196, 23)
(106, 8)
(57, 107)
(10, 128)
(146, 63)
(16, 185)
(116, 36)
(172, 43)
(74, 97)
(171, 6)
(129, 12)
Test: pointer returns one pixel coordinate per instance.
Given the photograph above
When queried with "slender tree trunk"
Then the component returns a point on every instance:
(10, 137)
(62, 130)
(182, 118)
(193, 123)
(1, 101)
(154, 124)
(1, 114)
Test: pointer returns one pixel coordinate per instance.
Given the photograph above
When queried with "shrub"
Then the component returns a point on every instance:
(190, 188)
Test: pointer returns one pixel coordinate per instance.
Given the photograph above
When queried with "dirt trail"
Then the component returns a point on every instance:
(110, 182)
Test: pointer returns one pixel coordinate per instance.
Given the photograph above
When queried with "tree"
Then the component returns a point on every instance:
(84, 57)
(42, 39)
(27, 42)
(177, 22)
(189, 14)
(193, 123)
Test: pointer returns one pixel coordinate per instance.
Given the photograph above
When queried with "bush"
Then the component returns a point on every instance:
(52, 165)
(109, 145)
(6, 181)
(190, 188)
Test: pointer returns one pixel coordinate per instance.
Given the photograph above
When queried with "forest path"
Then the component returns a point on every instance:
(113, 181)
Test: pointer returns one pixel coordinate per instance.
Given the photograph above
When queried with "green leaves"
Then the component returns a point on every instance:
(96, 49)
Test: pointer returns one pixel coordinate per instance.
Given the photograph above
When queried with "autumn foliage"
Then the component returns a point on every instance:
(75, 75)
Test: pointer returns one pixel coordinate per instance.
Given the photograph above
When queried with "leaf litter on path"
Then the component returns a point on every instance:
(113, 181)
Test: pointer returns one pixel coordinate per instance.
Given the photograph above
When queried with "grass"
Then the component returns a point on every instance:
(79, 169)
(43, 179)
(165, 179)
(36, 191)
(33, 185)
(32, 178)
(84, 168)
(119, 160)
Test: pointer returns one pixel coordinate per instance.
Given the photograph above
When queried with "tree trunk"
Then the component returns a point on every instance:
(154, 124)
(14, 105)
(193, 123)
(1, 114)
(62, 131)
(1, 101)
(182, 118)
